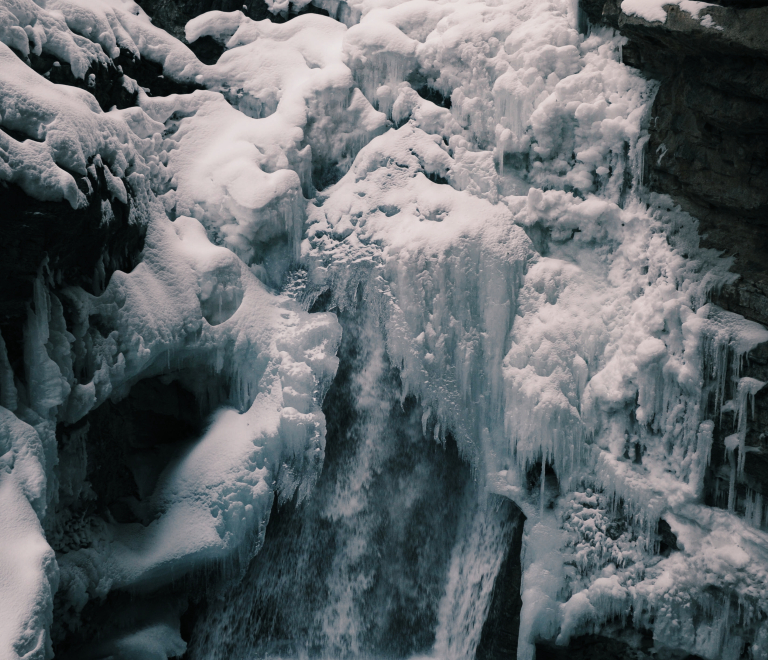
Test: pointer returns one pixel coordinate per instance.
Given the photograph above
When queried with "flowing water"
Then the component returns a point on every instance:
(395, 553)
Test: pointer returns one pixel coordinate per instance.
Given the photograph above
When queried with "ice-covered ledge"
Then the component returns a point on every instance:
(734, 30)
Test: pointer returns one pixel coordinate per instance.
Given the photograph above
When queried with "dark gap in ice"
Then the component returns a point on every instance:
(514, 161)
(81, 249)
(104, 82)
(599, 647)
(18, 135)
(207, 49)
(109, 465)
(499, 637)
(149, 75)
(434, 177)
(97, 626)
(131, 441)
(173, 15)
(435, 96)
(258, 10)
(666, 538)
(325, 174)
(322, 302)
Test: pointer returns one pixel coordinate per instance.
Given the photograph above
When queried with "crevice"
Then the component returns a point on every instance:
(499, 637)
(435, 96)
(81, 249)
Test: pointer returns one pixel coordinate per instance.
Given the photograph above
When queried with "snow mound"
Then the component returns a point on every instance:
(85, 34)
(63, 130)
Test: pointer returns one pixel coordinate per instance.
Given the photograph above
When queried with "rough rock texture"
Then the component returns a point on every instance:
(709, 151)
(709, 135)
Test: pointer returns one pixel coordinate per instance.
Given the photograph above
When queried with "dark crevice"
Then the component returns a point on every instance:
(81, 248)
(149, 75)
(207, 49)
(599, 647)
(110, 462)
(499, 637)
(173, 15)
(666, 539)
(431, 94)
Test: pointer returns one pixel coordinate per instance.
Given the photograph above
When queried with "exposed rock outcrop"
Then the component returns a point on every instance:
(709, 135)
(708, 150)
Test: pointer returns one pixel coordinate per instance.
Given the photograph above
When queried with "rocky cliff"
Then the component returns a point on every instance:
(709, 135)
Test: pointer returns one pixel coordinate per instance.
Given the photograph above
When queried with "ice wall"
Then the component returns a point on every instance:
(542, 309)
(584, 345)
(190, 312)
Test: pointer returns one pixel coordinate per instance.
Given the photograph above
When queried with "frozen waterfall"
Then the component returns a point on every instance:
(385, 352)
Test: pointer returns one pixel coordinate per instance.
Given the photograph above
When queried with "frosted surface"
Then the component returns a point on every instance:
(545, 310)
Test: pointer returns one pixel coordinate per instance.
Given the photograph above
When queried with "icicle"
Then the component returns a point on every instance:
(745, 392)
(732, 442)
(754, 509)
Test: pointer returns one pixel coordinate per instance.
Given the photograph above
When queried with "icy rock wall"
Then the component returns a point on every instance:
(610, 371)
(545, 312)
(190, 312)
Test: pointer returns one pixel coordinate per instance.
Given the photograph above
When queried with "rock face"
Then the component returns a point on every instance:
(498, 640)
(709, 136)
(709, 151)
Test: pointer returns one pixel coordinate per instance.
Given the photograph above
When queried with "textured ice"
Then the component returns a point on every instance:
(64, 130)
(547, 312)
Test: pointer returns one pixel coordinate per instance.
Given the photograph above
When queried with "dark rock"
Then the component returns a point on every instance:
(708, 150)
(499, 637)
(709, 135)
(82, 249)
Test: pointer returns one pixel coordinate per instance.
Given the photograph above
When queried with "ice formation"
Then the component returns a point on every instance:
(545, 311)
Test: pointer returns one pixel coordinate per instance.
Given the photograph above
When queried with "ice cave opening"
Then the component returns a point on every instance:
(383, 329)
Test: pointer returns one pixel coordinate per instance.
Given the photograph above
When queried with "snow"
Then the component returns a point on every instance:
(64, 130)
(28, 571)
(654, 10)
(547, 314)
